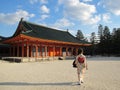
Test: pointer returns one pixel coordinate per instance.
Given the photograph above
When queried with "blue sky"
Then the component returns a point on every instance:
(84, 15)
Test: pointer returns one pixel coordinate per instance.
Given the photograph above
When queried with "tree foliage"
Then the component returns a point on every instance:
(93, 38)
(109, 42)
(79, 35)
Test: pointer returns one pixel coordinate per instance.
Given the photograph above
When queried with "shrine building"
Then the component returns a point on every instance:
(37, 41)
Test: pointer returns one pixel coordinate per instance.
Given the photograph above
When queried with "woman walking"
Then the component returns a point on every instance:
(81, 65)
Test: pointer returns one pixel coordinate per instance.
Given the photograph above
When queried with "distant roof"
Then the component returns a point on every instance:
(44, 32)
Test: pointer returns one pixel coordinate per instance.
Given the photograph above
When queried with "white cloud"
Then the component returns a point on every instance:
(44, 1)
(80, 11)
(12, 18)
(112, 5)
(62, 23)
(36, 1)
(44, 9)
(106, 17)
(44, 16)
(86, 0)
(33, 1)
(45, 12)
(92, 21)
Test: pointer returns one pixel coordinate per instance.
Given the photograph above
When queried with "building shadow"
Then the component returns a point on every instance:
(36, 84)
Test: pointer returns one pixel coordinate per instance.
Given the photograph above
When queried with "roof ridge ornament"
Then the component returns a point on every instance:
(21, 19)
(67, 30)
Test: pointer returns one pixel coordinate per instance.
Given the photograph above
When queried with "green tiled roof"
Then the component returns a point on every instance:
(43, 32)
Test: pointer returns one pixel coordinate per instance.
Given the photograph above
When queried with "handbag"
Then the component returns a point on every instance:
(74, 64)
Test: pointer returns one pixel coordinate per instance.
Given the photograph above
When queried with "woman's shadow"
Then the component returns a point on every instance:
(36, 84)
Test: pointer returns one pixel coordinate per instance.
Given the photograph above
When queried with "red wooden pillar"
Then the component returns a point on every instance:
(36, 48)
(42, 51)
(57, 51)
(38, 51)
(40, 54)
(22, 50)
(53, 51)
(17, 50)
(72, 51)
(45, 51)
(61, 51)
(27, 49)
(31, 47)
(66, 51)
(48, 51)
(77, 50)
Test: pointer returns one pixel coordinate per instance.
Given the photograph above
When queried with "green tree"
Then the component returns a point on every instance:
(106, 33)
(100, 36)
(93, 38)
(100, 32)
(116, 41)
(93, 42)
(109, 42)
(79, 35)
(106, 40)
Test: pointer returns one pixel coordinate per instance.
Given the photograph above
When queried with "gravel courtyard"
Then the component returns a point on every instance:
(103, 74)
